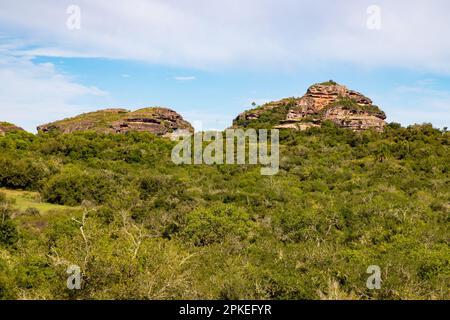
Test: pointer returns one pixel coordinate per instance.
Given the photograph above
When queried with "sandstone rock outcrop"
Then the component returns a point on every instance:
(324, 101)
(6, 127)
(160, 121)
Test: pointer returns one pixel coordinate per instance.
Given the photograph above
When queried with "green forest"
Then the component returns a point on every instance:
(141, 227)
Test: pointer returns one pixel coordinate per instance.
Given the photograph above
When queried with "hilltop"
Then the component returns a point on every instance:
(160, 121)
(323, 101)
(6, 127)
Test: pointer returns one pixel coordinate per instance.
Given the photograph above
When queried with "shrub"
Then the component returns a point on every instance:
(73, 186)
(165, 232)
(329, 83)
(150, 185)
(212, 225)
(7, 284)
(21, 173)
(8, 233)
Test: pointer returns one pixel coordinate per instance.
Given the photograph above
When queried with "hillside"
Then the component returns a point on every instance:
(324, 101)
(141, 227)
(159, 121)
(6, 127)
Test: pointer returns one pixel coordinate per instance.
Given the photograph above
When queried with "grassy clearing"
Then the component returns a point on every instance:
(23, 200)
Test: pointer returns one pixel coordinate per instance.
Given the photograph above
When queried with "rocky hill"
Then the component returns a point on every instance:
(6, 127)
(160, 121)
(323, 101)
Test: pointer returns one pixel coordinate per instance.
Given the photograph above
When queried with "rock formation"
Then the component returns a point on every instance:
(6, 127)
(324, 101)
(160, 121)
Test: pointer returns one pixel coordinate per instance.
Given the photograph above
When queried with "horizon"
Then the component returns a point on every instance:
(58, 60)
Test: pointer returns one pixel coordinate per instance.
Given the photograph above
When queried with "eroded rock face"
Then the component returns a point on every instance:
(354, 119)
(160, 121)
(296, 125)
(320, 96)
(6, 127)
(325, 101)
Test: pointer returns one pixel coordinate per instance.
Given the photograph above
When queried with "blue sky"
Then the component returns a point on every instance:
(209, 60)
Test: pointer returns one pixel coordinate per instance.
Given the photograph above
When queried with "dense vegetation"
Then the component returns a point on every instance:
(269, 115)
(141, 227)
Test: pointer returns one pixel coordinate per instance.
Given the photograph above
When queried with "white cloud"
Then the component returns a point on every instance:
(236, 33)
(34, 93)
(184, 78)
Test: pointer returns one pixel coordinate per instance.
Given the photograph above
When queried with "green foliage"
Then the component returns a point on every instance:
(8, 230)
(151, 185)
(328, 83)
(206, 226)
(268, 118)
(6, 124)
(73, 186)
(7, 283)
(21, 173)
(148, 229)
(8, 233)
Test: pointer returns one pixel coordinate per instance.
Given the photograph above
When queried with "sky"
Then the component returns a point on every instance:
(210, 59)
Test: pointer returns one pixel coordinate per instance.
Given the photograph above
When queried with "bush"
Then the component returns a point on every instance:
(21, 173)
(7, 284)
(8, 233)
(73, 186)
(151, 185)
(212, 225)
(224, 231)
